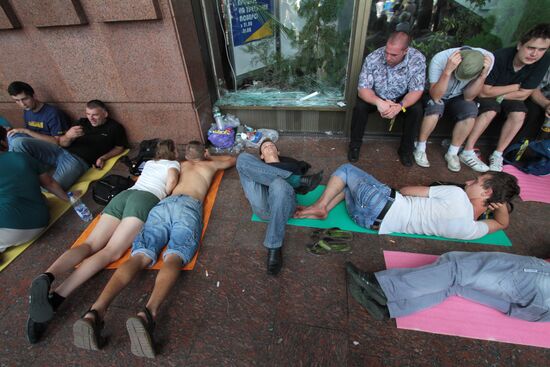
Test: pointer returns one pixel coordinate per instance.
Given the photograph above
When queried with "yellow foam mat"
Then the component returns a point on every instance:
(58, 207)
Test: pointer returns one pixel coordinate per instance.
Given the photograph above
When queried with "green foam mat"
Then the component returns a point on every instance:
(338, 217)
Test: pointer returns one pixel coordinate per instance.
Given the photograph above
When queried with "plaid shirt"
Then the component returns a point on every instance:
(393, 82)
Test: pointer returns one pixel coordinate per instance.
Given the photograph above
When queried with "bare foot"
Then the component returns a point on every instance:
(311, 212)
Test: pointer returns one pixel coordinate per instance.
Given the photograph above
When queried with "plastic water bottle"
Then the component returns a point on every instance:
(545, 130)
(80, 208)
(218, 118)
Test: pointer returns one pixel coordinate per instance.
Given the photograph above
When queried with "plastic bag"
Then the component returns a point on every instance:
(222, 138)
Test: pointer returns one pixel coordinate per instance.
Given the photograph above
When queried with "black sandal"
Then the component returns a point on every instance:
(141, 334)
(87, 333)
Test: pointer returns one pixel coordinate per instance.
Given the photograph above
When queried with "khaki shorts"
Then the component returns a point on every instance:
(131, 203)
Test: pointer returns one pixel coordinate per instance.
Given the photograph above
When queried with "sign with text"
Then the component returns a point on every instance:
(249, 20)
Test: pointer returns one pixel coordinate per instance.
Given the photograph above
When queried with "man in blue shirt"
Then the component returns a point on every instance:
(42, 121)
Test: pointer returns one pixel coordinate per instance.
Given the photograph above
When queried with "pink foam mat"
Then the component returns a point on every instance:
(460, 317)
(533, 188)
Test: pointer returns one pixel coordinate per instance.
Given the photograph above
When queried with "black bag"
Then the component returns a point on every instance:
(147, 151)
(109, 187)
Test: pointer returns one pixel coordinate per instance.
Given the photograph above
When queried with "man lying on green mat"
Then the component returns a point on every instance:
(447, 211)
(270, 182)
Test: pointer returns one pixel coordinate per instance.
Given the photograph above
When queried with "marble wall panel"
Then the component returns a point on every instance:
(25, 57)
(84, 61)
(124, 10)
(50, 13)
(147, 55)
(8, 19)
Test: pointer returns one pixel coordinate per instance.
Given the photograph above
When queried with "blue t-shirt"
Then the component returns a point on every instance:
(48, 121)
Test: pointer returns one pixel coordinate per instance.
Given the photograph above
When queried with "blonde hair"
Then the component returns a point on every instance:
(166, 149)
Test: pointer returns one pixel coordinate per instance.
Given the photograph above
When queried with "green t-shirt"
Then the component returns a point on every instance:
(22, 205)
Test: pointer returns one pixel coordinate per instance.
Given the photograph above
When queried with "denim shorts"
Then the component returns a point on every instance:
(456, 108)
(176, 222)
(365, 195)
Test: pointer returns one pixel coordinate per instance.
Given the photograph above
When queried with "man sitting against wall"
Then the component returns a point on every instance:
(90, 141)
(42, 121)
(391, 82)
(538, 109)
(516, 74)
(456, 76)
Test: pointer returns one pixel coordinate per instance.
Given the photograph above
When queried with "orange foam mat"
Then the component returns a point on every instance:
(208, 204)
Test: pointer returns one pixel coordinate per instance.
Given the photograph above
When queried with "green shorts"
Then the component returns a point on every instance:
(131, 203)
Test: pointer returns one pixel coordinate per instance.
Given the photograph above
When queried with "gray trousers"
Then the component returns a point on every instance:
(518, 286)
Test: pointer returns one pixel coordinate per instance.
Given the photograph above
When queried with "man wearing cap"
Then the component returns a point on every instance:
(516, 74)
(456, 77)
(391, 82)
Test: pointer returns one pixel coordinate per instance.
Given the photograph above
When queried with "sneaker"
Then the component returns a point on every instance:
(473, 162)
(453, 163)
(421, 159)
(353, 154)
(495, 163)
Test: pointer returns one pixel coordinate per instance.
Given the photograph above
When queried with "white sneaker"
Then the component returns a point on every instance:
(453, 163)
(421, 159)
(472, 161)
(495, 163)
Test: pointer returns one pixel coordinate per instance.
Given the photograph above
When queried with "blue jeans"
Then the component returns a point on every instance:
(14, 140)
(68, 167)
(365, 195)
(270, 196)
(518, 286)
(175, 221)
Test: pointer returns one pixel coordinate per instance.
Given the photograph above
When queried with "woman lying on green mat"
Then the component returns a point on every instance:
(119, 224)
(23, 209)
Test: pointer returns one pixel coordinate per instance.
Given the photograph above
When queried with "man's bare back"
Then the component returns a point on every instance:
(196, 175)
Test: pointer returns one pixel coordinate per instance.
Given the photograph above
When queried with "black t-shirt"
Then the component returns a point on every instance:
(97, 141)
(529, 76)
(292, 165)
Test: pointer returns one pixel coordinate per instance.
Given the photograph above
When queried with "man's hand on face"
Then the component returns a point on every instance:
(75, 132)
(497, 206)
(452, 62)
(17, 131)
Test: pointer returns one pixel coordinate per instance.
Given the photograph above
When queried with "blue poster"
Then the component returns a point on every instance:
(248, 24)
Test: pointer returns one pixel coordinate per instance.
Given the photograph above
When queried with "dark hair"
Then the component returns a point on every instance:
(194, 150)
(20, 87)
(96, 103)
(539, 31)
(505, 187)
(165, 150)
(266, 140)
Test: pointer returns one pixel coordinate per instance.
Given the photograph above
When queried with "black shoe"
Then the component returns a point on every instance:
(377, 311)
(368, 282)
(274, 260)
(406, 159)
(353, 154)
(35, 330)
(309, 183)
(40, 308)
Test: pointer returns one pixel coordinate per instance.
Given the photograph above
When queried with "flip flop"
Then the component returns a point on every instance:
(323, 247)
(141, 334)
(87, 333)
(332, 234)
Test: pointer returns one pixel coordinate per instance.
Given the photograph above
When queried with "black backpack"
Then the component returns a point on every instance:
(147, 151)
(109, 187)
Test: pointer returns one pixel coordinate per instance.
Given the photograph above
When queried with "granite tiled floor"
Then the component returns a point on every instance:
(303, 317)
